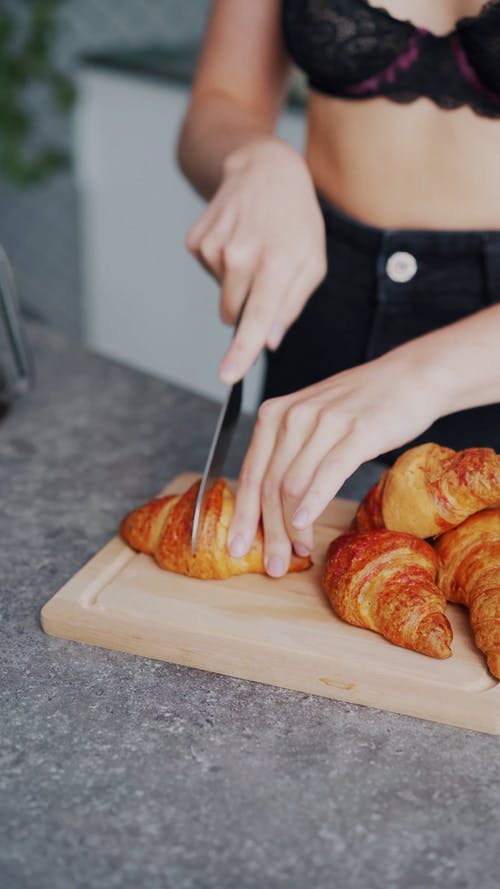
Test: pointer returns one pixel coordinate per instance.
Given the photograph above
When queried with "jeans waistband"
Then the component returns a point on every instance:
(438, 242)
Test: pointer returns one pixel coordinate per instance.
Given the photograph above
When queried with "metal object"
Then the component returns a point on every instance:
(226, 423)
(16, 368)
(401, 267)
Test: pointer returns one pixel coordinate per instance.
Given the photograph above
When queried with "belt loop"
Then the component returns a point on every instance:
(491, 261)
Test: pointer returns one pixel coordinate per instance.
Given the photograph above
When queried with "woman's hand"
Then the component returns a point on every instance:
(262, 236)
(305, 445)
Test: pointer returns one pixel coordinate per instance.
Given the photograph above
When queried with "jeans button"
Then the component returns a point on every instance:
(401, 267)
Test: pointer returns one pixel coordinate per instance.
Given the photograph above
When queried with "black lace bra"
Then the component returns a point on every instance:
(353, 50)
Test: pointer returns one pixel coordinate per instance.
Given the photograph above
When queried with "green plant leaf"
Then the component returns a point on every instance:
(26, 47)
(34, 170)
(63, 90)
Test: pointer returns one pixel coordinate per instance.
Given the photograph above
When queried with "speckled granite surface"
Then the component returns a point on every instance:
(117, 771)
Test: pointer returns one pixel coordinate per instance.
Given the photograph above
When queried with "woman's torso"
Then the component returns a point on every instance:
(407, 163)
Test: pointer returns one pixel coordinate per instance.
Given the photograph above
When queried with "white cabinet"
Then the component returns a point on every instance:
(146, 301)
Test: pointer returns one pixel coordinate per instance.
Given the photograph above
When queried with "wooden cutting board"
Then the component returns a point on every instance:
(281, 632)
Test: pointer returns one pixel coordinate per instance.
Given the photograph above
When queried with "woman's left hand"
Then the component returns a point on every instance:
(305, 445)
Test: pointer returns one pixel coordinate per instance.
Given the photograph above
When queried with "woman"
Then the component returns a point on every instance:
(397, 202)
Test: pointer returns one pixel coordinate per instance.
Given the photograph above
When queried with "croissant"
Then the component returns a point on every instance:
(469, 573)
(431, 489)
(163, 527)
(369, 512)
(384, 580)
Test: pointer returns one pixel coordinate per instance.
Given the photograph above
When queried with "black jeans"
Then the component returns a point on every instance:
(383, 288)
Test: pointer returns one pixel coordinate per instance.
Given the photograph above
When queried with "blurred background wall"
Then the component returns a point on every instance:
(98, 249)
(39, 224)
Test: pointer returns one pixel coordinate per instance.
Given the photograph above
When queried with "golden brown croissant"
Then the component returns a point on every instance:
(384, 580)
(431, 489)
(369, 512)
(469, 573)
(163, 527)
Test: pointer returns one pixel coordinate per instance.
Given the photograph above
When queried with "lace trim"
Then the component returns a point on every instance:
(350, 49)
(464, 22)
(447, 103)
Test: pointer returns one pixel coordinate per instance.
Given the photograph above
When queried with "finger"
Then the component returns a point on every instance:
(338, 464)
(239, 264)
(220, 206)
(247, 508)
(296, 427)
(296, 297)
(304, 546)
(200, 227)
(210, 250)
(299, 291)
(277, 547)
(267, 288)
(329, 429)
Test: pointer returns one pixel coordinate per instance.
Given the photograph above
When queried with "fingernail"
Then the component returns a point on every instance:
(237, 546)
(276, 334)
(302, 550)
(301, 518)
(275, 566)
(228, 372)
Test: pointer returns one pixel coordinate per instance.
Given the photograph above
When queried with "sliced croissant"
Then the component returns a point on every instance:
(162, 527)
(431, 489)
(384, 580)
(469, 573)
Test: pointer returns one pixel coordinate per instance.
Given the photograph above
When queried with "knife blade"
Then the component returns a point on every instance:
(226, 424)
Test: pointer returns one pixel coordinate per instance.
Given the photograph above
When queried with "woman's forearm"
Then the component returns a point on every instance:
(214, 127)
(460, 362)
(306, 444)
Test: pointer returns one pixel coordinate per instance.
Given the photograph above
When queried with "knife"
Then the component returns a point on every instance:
(226, 424)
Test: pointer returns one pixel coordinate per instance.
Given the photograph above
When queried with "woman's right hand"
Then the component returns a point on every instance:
(262, 236)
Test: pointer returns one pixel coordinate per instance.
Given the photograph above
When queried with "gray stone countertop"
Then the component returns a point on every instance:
(118, 771)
